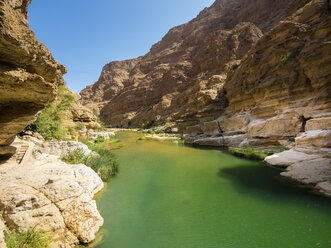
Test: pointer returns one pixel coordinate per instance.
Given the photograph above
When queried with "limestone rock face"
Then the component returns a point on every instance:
(2, 235)
(318, 138)
(283, 83)
(80, 114)
(211, 128)
(313, 169)
(60, 148)
(182, 76)
(51, 196)
(29, 75)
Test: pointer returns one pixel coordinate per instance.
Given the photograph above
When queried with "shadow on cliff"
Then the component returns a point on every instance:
(265, 183)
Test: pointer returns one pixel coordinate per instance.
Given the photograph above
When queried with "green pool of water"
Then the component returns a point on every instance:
(171, 196)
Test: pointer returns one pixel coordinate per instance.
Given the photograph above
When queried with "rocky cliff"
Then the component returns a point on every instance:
(241, 73)
(29, 75)
(182, 76)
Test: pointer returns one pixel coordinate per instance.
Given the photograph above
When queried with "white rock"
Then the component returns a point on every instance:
(216, 141)
(288, 158)
(60, 148)
(310, 171)
(81, 217)
(33, 195)
(318, 138)
(94, 135)
(324, 187)
(2, 235)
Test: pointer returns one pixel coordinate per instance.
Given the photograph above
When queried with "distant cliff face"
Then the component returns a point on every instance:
(29, 75)
(283, 85)
(182, 76)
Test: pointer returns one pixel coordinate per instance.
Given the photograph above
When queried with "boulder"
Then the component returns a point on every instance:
(318, 138)
(211, 128)
(234, 140)
(233, 123)
(94, 135)
(2, 234)
(276, 127)
(51, 196)
(311, 171)
(58, 148)
(193, 130)
(288, 158)
(318, 124)
(209, 141)
(7, 150)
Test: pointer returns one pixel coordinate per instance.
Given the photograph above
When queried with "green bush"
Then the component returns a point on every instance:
(28, 239)
(248, 152)
(99, 139)
(104, 163)
(49, 123)
(148, 124)
(290, 55)
(207, 119)
(191, 123)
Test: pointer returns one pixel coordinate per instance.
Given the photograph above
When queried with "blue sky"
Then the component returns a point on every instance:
(84, 35)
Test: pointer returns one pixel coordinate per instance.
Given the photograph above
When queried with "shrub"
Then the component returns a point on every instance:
(290, 55)
(291, 139)
(104, 163)
(28, 239)
(99, 139)
(191, 123)
(207, 119)
(49, 123)
(249, 153)
(148, 124)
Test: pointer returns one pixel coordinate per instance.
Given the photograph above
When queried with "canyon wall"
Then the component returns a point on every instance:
(260, 70)
(29, 75)
(183, 75)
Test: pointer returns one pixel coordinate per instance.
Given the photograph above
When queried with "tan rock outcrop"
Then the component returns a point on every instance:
(2, 234)
(29, 75)
(182, 76)
(211, 128)
(283, 83)
(318, 138)
(313, 169)
(78, 113)
(52, 196)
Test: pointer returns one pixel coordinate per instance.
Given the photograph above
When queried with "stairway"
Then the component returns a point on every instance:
(22, 148)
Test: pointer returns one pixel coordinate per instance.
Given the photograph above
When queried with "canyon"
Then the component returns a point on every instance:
(240, 74)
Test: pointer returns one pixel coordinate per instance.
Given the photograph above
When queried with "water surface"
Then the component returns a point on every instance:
(172, 196)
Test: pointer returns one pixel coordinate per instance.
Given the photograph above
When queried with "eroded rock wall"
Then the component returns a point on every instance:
(283, 86)
(182, 76)
(29, 75)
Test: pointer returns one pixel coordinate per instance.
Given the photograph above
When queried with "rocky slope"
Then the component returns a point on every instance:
(78, 113)
(182, 76)
(47, 194)
(29, 75)
(260, 69)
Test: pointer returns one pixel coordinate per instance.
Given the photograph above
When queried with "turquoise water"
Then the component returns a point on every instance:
(171, 196)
